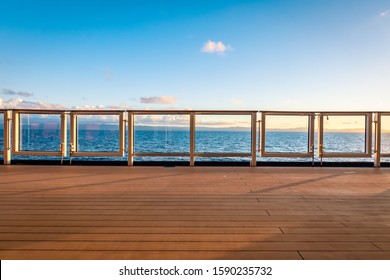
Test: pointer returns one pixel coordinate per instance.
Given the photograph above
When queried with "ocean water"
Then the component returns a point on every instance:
(207, 141)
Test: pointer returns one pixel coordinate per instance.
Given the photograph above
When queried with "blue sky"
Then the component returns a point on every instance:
(266, 55)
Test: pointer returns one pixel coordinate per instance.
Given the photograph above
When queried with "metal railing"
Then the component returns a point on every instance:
(192, 154)
(74, 134)
(368, 120)
(17, 133)
(367, 152)
(378, 154)
(309, 153)
(5, 150)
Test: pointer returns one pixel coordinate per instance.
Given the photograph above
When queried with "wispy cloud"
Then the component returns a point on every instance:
(17, 93)
(163, 120)
(385, 13)
(215, 47)
(158, 100)
(19, 103)
(89, 107)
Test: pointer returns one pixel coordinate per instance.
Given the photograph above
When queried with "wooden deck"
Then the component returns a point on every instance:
(118, 212)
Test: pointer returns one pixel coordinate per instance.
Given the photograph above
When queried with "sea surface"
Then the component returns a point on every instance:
(206, 141)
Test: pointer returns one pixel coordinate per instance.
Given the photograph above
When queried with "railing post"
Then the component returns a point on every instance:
(15, 132)
(320, 136)
(368, 134)
(73, 135)
(311, 136)
(253, 142)
(7, 136)
(262, 134)
(378, 139)
(130, 138)
(122, 129)
(64, 129)
(192, 139)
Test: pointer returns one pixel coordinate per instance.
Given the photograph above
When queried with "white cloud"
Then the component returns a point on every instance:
(19, 103)
(385, 13)
(158, 100)
(90, 107)
(215, 47)
(163, 120)
(121, 106)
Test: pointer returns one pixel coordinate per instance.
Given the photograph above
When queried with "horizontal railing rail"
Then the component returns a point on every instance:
(368, 124)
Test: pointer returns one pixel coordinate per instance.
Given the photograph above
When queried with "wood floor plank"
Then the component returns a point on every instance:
(186, 246)
(205, 237)
(144, 230)
(345, 255)
(150, 255)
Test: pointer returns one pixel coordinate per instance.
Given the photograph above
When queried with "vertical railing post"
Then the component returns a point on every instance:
(368, 132)
(7, 136)
(253, 138)
(192, 139)
(320, 136)
(15, 131)
(262, 134)
(122, 129)
(130, 138)
(73, 135)
(64, 129)
(311, 136)
(378, 139)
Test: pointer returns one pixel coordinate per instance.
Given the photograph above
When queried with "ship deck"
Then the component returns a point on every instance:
(120, 212)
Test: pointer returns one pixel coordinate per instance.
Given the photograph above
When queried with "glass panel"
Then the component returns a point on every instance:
(344, 134)
(162, 134)
(98, 133)
(287, 134)
(40, 132)
(385, 129)
(223, 134)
